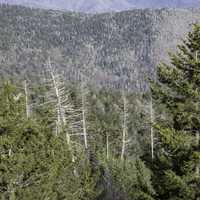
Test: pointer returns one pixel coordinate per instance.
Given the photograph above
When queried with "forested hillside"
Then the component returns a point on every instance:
(66, 141)
(107, 48)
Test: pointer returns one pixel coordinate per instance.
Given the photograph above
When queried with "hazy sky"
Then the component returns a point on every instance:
(104, 5)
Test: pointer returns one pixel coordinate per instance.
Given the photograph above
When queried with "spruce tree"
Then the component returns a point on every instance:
(34, 163)
(128, 180)
(177, 155)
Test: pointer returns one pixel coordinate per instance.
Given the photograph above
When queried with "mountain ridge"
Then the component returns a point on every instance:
(111, 49)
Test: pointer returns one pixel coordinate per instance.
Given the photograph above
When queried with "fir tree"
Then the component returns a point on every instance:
(177, 158)
(34, 163)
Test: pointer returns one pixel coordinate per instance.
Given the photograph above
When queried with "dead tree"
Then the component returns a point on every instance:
(83, 110)
(60, 98)
(197, 133)
(26, 100)
(151, 129)
(107, 146)
(125, 141)
(64, 110)
(69, 119)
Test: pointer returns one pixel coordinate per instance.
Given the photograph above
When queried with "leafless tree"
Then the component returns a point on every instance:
(83, 109)
(197, 133)
(125, 141)
(152, 129)
(27, 100)
(107, 147)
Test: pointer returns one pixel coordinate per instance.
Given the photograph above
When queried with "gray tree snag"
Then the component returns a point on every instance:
(67, 117)
(58, 100)
(61, 100)
(27, 106)
(63, 105)
(152, 129)
(107, 146)
(83, 110)
(197, 143)
(124, 126)
(197, 133)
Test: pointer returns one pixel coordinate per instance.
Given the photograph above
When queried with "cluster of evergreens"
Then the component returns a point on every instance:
(69, 142)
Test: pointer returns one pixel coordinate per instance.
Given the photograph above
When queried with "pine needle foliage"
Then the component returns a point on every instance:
(178, 153)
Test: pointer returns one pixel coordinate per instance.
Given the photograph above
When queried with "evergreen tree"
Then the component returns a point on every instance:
(177, 156)
(34, 163)
(128, 180)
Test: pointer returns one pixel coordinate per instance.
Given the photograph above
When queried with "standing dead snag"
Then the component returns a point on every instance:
(124, 126)
(65, 113)
(152, 129)
(56, 85)
(67, 117)
(61, 100)
(197, 133)
(83, 110)
(26, 100)
(107, 146)
(80, 125)
(197, 143)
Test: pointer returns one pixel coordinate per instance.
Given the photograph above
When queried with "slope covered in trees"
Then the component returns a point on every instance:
(107, 47)
(69, 141)
(43, 150)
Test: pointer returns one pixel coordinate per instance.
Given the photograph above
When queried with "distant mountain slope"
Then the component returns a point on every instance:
(103, 5)
(108, 48)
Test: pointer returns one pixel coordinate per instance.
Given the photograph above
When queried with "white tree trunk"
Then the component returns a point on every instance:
(84, 115)
(58, 100)
(197, 143)
(152, 129)
(65, 113)
(107, 146)
(26, 100)
(10, 152)
(197, 133)
(124, 131)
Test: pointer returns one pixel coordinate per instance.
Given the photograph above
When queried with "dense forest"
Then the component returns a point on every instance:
(71, 141)
(106, 47)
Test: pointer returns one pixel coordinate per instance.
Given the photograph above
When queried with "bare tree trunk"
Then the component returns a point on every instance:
(26, 100)
(58, 100)
(84, 115)
(65, 113)
(124, 131)
(152, 130)
(107, 146)
(197, 143)
(10, 152)
(60, 110)
(197, 133)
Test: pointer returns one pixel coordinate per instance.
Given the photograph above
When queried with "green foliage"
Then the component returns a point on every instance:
(177, 161)
(131, 179)
(34, 164)
(37, 164)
